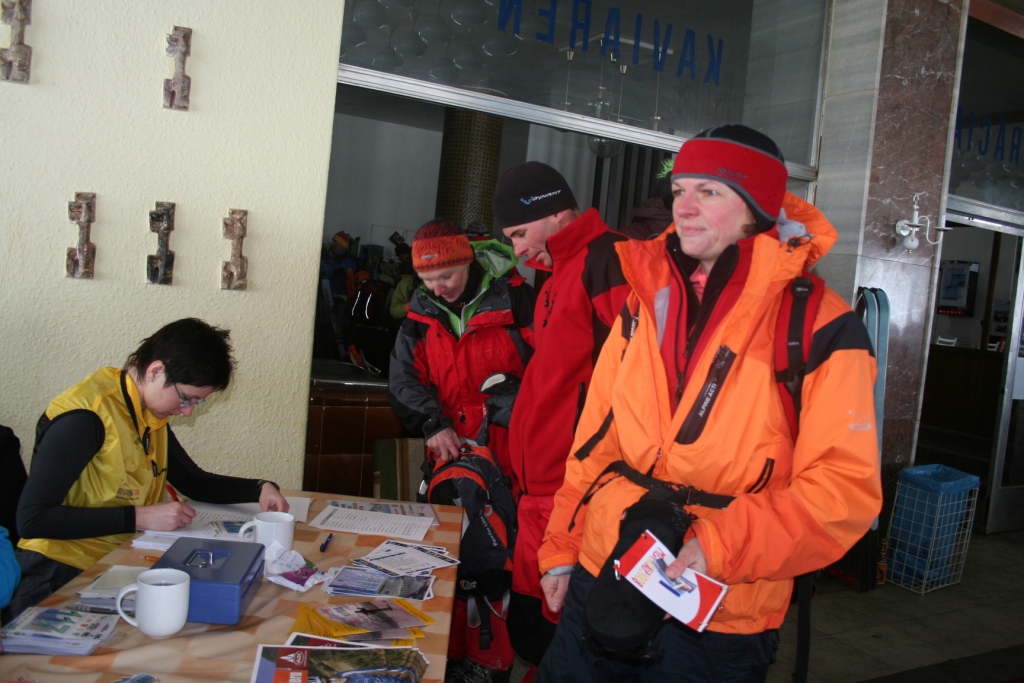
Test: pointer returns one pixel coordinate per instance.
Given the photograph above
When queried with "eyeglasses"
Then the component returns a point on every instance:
(190, 403)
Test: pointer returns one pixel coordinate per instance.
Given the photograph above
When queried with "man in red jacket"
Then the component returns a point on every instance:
(576, 307)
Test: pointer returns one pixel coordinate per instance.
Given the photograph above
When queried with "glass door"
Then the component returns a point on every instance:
(998, 320)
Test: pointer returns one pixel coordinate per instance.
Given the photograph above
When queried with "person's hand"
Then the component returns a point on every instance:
(271, 499)
(691, 555)
(163, 516)
(446, 444)
(555, 588)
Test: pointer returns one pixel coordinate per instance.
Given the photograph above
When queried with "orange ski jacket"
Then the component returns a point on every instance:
(798, 506)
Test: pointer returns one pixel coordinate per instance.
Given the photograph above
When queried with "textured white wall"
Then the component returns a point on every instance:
(257, 137)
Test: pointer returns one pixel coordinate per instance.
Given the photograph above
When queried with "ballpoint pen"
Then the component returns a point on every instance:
(323, 546)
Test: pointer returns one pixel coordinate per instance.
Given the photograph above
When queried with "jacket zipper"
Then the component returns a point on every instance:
(697, 418)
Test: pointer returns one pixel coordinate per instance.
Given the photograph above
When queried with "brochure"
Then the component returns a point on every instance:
(275, 663)
(692, 598)
(370, 582)
(57, 631)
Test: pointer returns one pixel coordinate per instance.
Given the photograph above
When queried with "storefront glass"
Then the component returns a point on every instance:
(986, 164)
(668, 67)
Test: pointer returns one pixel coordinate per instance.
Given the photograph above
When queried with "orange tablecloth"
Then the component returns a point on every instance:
(204, 652)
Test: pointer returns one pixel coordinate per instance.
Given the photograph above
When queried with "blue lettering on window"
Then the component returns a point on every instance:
(548, 37)
(1000, 150)
(714, 61)
(661, 50)
(636, 39)
(688, 55)
(505, 8)
(580, 24)
(1015, 145)
(986, 123)
(612, 34)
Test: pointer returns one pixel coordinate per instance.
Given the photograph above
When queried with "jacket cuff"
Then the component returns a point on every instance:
(435, 425)
(710, 544)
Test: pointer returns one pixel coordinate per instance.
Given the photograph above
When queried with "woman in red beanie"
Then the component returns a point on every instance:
(470, 319)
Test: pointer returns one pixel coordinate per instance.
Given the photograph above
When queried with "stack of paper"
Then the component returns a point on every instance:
(57, 631)
(101, 594)
(370, 582)
(396, 558)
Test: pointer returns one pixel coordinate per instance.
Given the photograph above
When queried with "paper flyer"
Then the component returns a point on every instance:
(692, 598)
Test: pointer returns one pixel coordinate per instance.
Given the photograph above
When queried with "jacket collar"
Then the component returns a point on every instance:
(572, 239)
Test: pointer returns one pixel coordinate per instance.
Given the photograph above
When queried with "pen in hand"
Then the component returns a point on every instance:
(323, 546)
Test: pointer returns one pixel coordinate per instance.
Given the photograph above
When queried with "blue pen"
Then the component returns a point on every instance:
(323, 546)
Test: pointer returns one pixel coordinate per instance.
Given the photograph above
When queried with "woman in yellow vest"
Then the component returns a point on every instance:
(104, 452)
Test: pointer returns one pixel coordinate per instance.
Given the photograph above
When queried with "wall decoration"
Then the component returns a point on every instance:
(177, 88)
(81, 259)
(16, 60)
(234, 273)
(160, 267)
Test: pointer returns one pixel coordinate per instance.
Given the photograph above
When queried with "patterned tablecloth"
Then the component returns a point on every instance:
(204, 652)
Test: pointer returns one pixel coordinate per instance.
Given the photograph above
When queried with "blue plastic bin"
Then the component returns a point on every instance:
(931, 525)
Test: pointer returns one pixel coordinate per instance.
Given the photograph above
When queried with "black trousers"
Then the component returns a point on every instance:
(690, 657)
(528, 628)
(40, 578)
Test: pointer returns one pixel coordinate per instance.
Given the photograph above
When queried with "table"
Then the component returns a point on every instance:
(207, 652)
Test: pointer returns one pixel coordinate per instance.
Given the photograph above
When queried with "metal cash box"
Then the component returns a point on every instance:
(225, 576)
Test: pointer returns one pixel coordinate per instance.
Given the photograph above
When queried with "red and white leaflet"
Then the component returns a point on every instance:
(692, 598)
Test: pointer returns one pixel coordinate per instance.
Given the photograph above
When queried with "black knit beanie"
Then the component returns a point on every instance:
(529, 192)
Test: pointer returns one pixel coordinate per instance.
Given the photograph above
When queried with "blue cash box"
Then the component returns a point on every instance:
(225, 576)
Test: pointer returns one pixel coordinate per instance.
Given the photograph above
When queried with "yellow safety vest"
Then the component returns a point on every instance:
(121, 473)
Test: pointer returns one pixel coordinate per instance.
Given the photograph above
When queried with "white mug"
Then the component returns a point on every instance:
(161, 603)
(269, 527)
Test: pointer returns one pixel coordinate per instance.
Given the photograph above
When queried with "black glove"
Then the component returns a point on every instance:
(502, 390)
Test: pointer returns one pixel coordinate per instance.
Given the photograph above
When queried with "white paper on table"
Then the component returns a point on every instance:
(298, 507)
(376, 523)
(389, 507)
(154, 540)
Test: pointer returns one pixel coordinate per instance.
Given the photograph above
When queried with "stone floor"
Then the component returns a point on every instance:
(898, 634)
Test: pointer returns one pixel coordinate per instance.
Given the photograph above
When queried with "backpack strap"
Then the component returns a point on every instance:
(794, 329)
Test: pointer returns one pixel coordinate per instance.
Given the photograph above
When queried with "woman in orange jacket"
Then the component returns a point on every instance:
(685, 392)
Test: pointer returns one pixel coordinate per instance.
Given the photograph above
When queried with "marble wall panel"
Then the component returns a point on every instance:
(916, 95)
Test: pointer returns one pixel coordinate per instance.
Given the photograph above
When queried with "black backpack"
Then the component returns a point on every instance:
(475, 482)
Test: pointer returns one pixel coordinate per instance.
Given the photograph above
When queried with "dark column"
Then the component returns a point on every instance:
(470, 153)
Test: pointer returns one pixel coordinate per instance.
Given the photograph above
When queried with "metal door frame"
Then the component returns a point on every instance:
(1005, 504)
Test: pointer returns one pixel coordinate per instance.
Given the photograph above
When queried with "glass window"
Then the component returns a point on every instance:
(986, 162)
(661, 66)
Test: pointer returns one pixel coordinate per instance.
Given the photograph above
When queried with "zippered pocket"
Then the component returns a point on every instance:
(697, 418)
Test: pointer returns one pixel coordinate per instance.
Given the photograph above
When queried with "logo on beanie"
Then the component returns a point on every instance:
(428, 257)
(538, 197)
(730, 174)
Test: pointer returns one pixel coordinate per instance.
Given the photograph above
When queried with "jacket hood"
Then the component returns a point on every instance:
(495, 258)
(799, 239)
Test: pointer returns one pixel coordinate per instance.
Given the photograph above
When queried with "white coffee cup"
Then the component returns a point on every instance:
(161, 603)
(269, 527)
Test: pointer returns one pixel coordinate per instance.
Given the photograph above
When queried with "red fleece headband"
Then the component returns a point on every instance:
(434, 253)
(758, 177)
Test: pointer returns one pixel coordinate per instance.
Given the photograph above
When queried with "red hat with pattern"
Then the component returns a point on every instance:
(440, 244)
(744, 159)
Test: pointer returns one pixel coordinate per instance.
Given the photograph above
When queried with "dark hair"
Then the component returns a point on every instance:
(193, 353)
